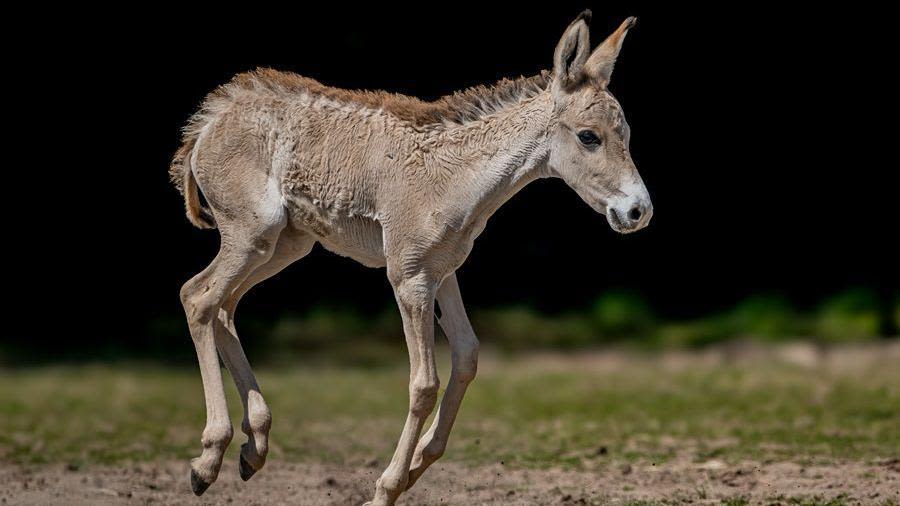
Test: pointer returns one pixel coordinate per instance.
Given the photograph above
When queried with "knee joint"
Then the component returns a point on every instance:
(198, 308)
(468, 362)
(423, 397)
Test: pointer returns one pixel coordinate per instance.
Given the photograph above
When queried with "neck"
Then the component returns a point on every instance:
(491, 159)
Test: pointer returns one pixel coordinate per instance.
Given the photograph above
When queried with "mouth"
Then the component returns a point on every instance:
(621, 225)
(615, 222)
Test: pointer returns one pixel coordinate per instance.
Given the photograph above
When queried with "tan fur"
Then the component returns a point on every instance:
(461, 106)
(391, 181)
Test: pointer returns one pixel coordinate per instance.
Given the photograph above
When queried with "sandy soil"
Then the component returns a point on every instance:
(449, 483)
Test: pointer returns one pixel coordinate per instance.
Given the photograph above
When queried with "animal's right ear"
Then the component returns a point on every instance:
(572, 52)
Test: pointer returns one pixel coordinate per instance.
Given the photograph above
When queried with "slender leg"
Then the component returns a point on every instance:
(464, 358)
(257, 417)
(202, 297)
(415, 296)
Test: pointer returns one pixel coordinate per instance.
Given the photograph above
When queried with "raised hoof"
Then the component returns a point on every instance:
(197, 484)
(247, 472)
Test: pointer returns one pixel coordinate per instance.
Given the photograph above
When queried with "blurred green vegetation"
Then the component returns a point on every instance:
(621, 318)
(616, 317)
(851, 315)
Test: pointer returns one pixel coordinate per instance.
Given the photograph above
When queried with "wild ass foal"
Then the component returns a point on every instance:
(390, 181)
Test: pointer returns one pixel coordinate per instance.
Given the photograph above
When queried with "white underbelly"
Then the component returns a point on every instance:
(360, 239)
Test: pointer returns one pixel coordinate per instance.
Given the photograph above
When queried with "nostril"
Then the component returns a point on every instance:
(634, 214)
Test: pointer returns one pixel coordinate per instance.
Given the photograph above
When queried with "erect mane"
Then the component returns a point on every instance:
(479, 101)
(460, 107)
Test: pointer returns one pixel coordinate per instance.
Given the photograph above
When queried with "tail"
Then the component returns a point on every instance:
(182, 177)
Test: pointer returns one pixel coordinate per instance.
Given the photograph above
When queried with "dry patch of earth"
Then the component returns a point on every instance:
(711, 482)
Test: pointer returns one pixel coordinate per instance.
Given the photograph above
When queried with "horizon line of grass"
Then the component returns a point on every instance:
(616, 317)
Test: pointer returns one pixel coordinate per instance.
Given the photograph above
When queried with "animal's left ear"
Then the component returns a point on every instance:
(600, 65)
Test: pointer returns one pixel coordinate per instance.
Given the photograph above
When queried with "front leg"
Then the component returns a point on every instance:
(415, 297)
(464, 364)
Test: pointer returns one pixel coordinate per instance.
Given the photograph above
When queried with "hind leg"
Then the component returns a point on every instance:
(243, 249)
(290, 247)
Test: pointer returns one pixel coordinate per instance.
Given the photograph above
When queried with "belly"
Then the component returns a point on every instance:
(343, 232)
(360, 239)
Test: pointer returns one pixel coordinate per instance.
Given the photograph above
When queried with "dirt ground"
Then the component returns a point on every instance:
(711, 482)
(792, 426)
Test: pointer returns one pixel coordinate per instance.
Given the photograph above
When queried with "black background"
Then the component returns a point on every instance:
(757, 130)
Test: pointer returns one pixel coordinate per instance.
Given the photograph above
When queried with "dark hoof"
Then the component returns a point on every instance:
(247, 472)
(197, 484)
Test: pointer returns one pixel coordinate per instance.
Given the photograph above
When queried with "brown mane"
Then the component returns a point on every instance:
(459, 107)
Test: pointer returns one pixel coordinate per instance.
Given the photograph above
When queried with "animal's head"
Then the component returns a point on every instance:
(589, 142)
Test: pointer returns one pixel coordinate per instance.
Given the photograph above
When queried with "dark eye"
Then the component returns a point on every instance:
(588, 138)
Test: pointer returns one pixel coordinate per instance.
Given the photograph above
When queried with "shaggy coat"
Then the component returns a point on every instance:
(392, 181)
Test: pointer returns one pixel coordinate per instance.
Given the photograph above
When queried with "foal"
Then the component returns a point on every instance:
(391, 181)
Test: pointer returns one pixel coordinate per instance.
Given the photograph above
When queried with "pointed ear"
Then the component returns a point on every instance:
(600, 64)
(572, 51)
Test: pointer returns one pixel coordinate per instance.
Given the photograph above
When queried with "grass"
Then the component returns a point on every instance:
(573, 411)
